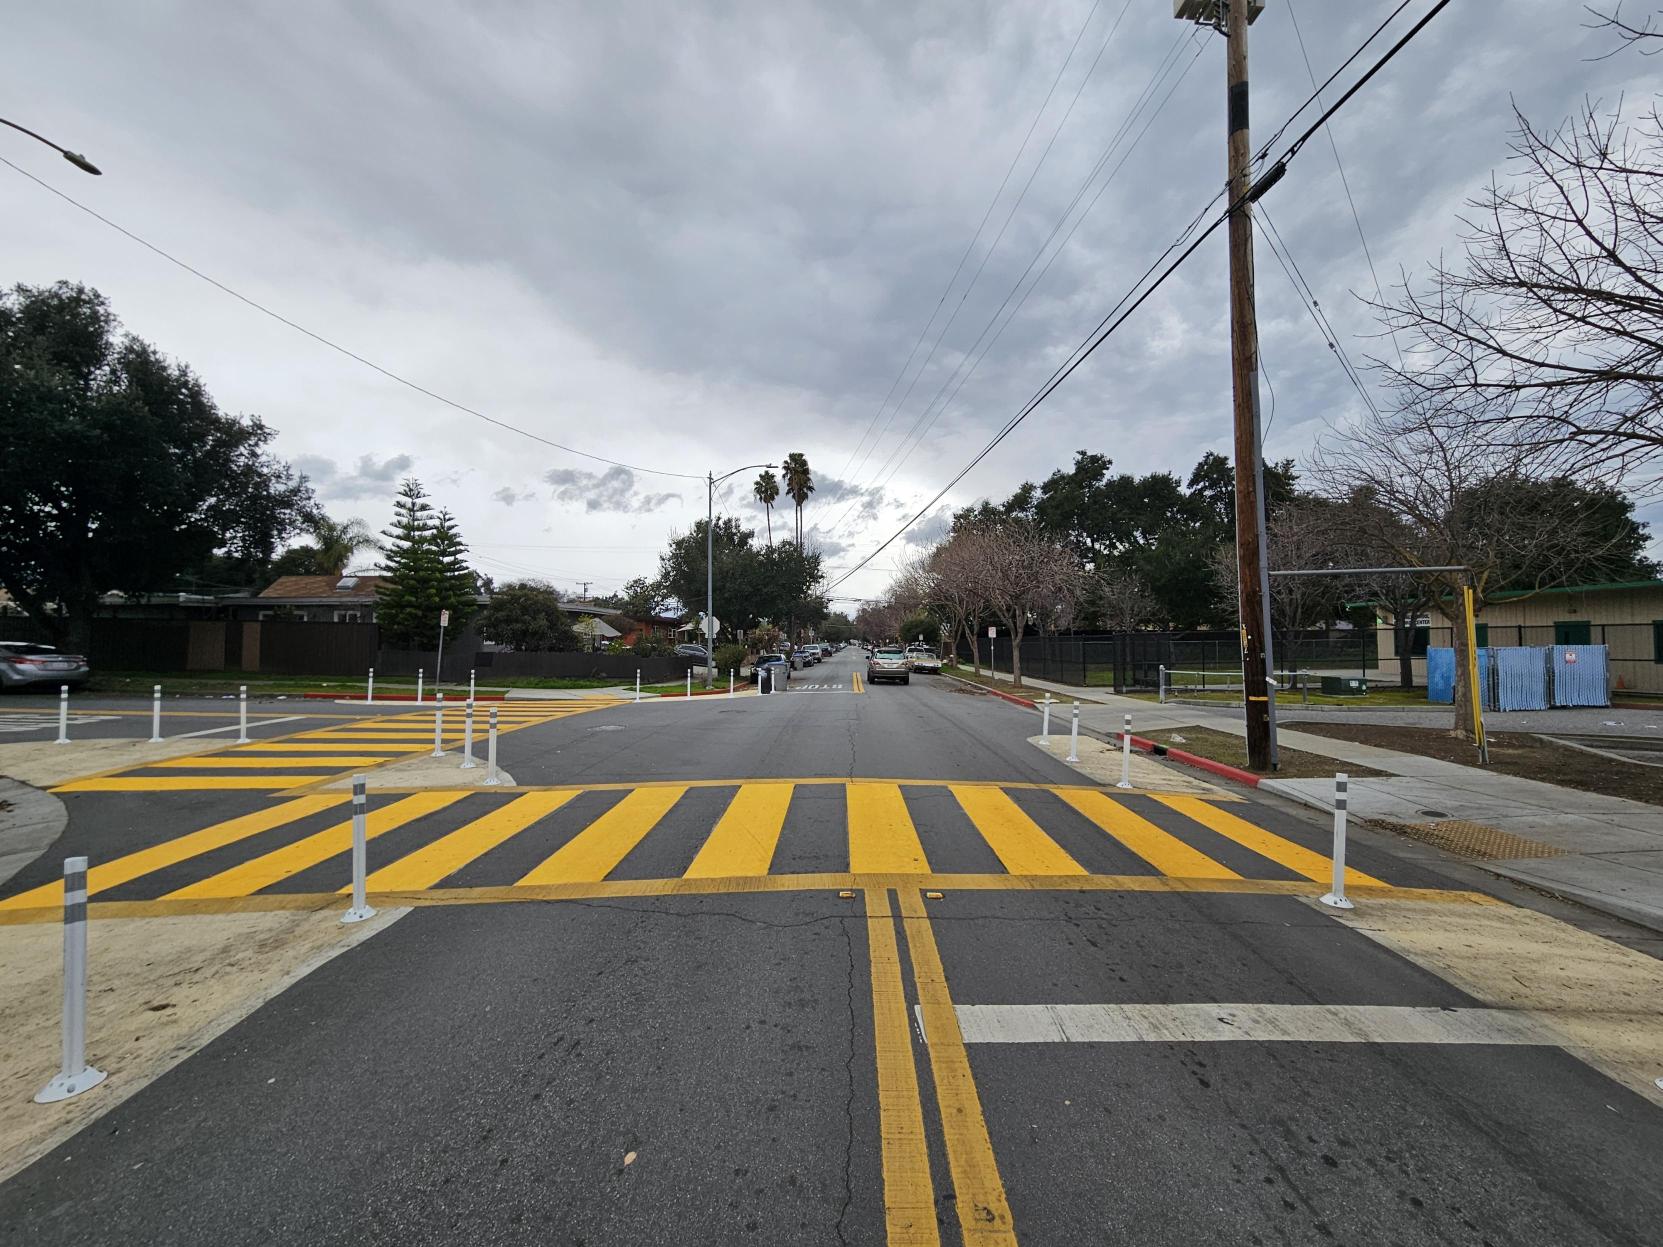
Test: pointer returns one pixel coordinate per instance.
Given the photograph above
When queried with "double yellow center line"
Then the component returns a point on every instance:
(909, 1191)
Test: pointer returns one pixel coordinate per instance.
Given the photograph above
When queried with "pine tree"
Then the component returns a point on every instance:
(457, 584)
(408, 606)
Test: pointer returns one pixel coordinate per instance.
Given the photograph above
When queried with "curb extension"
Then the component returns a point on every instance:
(1195, 760)
(398, 697)
(1003, 696)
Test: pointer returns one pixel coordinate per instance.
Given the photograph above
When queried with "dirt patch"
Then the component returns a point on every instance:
(158, 989)
(1512, 754)
(1231, 750)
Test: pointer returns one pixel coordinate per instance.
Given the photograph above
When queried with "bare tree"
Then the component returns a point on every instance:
(1024, 577)
(1123, 599)
(1444, 493)
(1548, 334)
(952, 590)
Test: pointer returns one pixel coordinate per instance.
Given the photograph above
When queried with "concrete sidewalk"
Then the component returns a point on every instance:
(1606, 852)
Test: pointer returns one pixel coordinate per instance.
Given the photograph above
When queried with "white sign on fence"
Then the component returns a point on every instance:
(992, 632)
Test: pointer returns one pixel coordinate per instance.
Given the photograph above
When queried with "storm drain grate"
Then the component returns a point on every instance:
(1475, 840)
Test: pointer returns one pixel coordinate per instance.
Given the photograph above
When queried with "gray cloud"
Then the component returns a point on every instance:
(508, 496)
(611, 490)
(368, 479)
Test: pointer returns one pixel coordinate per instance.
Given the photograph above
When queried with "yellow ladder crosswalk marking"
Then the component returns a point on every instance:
(882, 838)
(320, 747)
(1295, 857)
(291, 859)
(112, 874)
(1012, 835)
(250, 762)
(745, 838)
(1161, 849)
(595, 851)
(182, 783)
(449, 853)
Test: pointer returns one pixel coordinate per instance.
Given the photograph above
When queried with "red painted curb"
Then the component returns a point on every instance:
(1196, 760)
(1010, 697)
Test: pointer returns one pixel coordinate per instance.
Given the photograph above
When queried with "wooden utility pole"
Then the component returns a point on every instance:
(1244, 369)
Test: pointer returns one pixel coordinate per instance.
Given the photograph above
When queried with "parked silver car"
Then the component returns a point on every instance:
(25, 664)
(888, 662)
(923, 658)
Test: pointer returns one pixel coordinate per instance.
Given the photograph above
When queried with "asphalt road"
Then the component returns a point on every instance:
(580, 1034)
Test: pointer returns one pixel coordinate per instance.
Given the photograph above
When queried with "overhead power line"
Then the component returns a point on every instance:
(336, 346)
(1122, 311)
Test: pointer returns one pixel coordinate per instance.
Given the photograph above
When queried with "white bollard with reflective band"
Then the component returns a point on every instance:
(638, 684)
(1125, 752)
(1074, 736)
(730, 681)
(438, 725)
(467, 738)
(419, 674)
(1161, 686)
(360, 833)
(689, 683)
(1336, 897)
(63, 714)
(1045, 721)
(369, 689)
(242, 714)
(470, 685)
(74, 1074)
(156, 714)
(491, 776)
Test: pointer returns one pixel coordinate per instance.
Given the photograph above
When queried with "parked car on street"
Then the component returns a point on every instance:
(888, 662)
(696, 652)
(923, 658)
(802, 656)
(26, 664)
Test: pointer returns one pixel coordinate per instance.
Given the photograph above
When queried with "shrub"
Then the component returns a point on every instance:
(729, 657)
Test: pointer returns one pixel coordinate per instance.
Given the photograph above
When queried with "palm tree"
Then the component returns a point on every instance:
(767, 491)
(799, 484)
(339, 542)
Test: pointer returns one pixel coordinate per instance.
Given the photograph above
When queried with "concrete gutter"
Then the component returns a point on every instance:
(30, 821)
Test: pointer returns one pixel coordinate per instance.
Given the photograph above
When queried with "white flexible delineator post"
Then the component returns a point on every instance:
(63, 714)
(156, 714)
(419, 675)
(438, 725)
(1336, 898)
(1125, 752)
(730, 681)
(638, 684)
(491, 776)
(369, 690)
(467, 738)
(1074, 736)
(689, 684)
(470, 685)
(74, 1074)
(360, 835)
(1045, 721)
(242, 714)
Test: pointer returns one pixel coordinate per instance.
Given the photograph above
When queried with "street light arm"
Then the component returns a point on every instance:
(74, 158)
(717, 479)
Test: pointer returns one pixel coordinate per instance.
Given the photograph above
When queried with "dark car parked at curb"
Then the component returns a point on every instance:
(25, 664)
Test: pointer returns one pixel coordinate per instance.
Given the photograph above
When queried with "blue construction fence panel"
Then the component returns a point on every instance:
(1580, 675)
(1440, 677)
(1521, 678)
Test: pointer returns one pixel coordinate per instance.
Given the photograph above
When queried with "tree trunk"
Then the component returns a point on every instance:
(1464, 691)
(1016, 655)
(1404, 637)
(975, 649)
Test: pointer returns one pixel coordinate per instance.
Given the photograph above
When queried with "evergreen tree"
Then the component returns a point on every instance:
(408, 606)
(457, 585)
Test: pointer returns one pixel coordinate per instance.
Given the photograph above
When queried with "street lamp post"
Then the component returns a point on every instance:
(74, 158)
(711, 481)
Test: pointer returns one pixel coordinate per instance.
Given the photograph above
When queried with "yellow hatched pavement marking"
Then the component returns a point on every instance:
(984, 1212)
(595, 851)
(882, 839)
(1161, 849)
(1017, 840)
(248, 762)
(1295, 857)
(449, 853)
(181, 783)
(143, 862)
(908, 1193)
(744, 840)
(291, 859)
(316, 747)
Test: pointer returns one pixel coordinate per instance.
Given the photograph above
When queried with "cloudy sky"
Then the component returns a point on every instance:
(688, 237)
